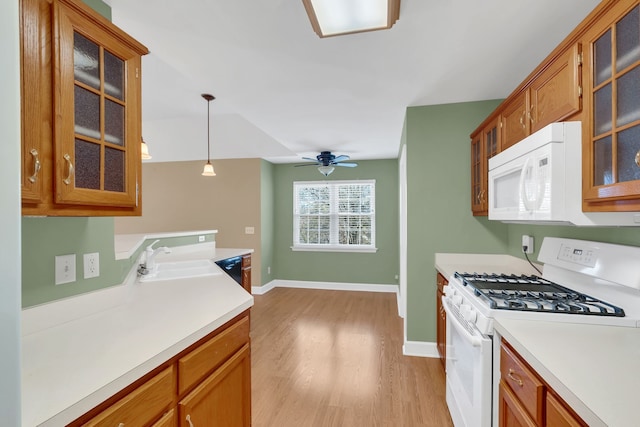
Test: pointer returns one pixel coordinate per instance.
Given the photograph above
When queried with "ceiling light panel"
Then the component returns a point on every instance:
(334, 17)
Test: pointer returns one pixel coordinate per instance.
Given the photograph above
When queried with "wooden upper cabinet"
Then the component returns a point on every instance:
(557, 92)
(81, 112)
(484, 145)
(611, 139)
(515, 124)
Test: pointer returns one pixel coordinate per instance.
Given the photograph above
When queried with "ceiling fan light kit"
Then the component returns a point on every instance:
(208, 167)
(339, 17)
(327, 161)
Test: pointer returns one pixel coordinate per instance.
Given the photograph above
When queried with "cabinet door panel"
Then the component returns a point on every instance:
(97, 81)
(512, 414)
(36, 108)
(141, 406)
(611, 161)
(555, 94)
(515, 123)
(558, 415)
(197, 364)
(223, 399)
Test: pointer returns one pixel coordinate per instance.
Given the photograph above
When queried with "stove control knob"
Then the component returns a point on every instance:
(468, 313)
(457, 299)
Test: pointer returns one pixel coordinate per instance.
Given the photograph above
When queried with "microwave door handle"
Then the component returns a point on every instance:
(474, 340)
(529, 204)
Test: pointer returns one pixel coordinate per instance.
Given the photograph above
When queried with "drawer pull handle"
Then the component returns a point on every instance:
(189, 420)
(515, 377)
(67, 180)
(638, 158)
(36, 165)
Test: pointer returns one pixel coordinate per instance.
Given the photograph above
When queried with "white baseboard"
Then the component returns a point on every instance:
(332, 286)
(420, 348)
(261, 290)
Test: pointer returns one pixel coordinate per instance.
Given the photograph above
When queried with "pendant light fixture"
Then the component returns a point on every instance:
(208, 167)
(144, 149)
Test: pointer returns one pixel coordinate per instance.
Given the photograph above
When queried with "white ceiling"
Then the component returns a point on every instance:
(283, 93)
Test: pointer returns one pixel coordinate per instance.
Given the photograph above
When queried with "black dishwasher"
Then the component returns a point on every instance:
(233, 267)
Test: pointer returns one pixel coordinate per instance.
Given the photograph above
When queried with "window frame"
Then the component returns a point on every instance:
(334, 214)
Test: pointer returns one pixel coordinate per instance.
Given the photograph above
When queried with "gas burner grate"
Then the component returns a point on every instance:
(533, 293)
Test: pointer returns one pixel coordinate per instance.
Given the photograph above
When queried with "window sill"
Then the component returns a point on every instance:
(334, 249)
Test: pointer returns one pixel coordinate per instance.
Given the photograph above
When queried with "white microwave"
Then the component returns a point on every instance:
(539, 180)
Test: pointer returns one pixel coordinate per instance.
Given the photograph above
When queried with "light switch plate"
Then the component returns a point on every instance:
(65, 269)
(249, 230)
(91, 264)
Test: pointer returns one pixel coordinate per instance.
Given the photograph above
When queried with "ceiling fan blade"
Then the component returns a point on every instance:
(347, 165)
(307, 164)
(341, 158)
(310, 159)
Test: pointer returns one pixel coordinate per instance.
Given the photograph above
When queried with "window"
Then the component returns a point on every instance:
(334, 216)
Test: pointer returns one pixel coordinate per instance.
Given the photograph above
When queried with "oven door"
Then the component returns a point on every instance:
(468, 366)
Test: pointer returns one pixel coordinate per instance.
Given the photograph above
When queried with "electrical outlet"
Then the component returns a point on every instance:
(91, 265)
(200, 238)
(527, 241)
(249, 230)
(65, 269)
(269, 270)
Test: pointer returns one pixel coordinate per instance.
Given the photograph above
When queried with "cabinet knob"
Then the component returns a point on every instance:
(67, 180)
(36, 165)
(121, 425)
(638, 158)
(189, 420)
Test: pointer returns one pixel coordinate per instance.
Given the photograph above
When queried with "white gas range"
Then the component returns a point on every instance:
(581, 282)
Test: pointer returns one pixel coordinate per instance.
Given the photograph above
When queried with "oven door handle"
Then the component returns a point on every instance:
(475, 340)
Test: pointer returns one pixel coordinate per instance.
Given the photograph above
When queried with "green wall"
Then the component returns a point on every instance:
(45, 238)
(371, 268)
(266, 221)
(439, 215)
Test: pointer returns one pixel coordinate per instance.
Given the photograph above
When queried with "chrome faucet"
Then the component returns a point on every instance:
(149, 264)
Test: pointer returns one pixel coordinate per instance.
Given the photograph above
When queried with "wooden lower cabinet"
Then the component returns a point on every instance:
(246, 272)
(525, 399)
(208, 384)
(512, 413)
(168, 420)
(143, 405)
(222, 399)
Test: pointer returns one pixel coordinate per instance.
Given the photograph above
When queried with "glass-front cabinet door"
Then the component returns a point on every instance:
(97, 106)
(613, 143)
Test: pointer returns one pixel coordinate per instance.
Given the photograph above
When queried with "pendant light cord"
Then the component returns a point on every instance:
(208, 132)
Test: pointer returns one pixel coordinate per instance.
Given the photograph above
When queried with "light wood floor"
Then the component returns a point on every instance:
(334, 358)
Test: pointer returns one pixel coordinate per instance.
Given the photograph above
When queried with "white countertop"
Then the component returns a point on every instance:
(595, 369)
(98, 343)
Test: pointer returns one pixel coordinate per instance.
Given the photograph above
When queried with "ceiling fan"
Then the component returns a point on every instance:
(326, 162)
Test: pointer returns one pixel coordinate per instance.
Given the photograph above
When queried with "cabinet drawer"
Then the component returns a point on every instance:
(141, 406)
(167, 420)
(200, 362)
(525, 384)
(246, 261)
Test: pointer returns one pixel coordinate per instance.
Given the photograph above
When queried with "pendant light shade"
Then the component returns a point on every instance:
(208, 167)
(144, 149)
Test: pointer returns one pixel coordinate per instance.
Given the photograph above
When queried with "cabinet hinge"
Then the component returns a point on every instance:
(137, 72)
(137, 194)
(580, 58)
(579, 91)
